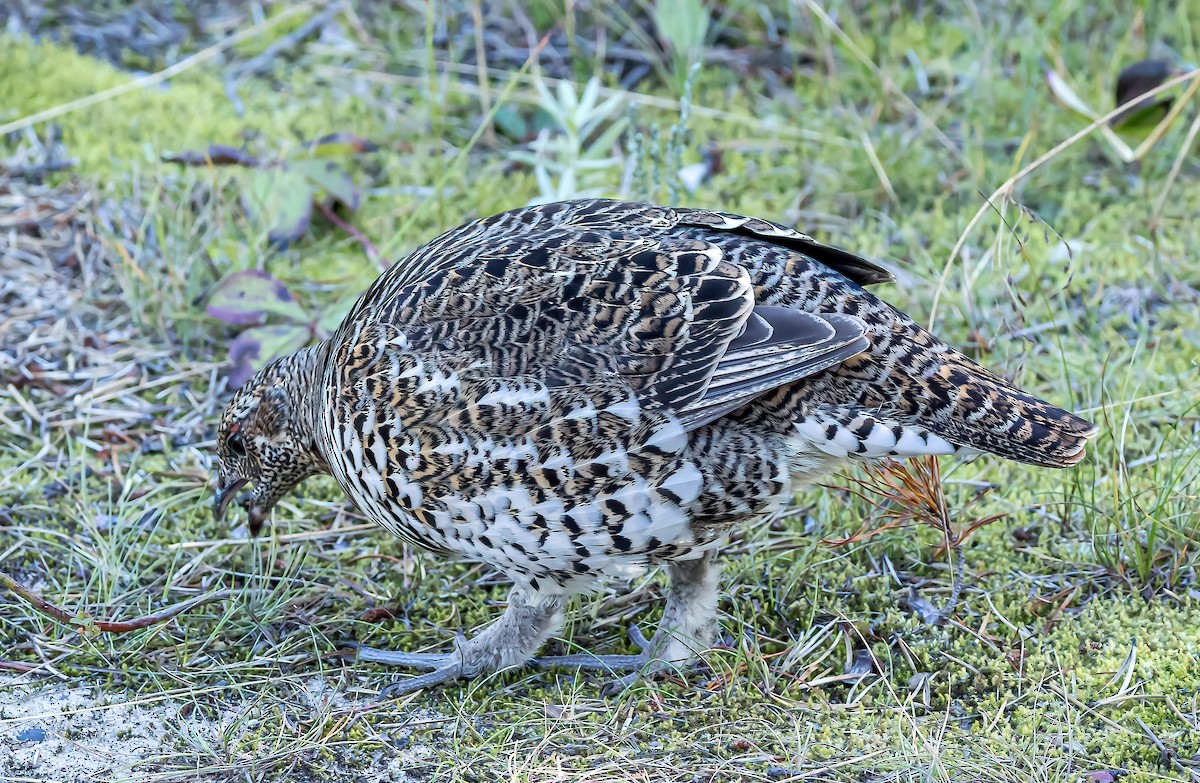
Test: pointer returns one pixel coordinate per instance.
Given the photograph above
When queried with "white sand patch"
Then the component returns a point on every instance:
(52, 732)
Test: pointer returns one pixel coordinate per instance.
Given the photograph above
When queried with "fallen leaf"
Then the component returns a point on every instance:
(251, 350)
(246, 298)
(280, 200)
(510, 123)
(922, 608)
(328, 176)
(377, 614)
(863, 665)
(215, 155)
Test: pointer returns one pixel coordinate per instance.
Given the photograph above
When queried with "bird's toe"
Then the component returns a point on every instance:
(409, 685)
(638, 638)
(430, 662)
(618, 685)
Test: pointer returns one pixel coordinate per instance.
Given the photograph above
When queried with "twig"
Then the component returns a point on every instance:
(35, 171)
(371, 250)
(83, 621)
(154, 78)
(287, 538)
(1167, 754)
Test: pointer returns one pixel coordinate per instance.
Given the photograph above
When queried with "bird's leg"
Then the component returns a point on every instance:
(687, 627)
(510, 641)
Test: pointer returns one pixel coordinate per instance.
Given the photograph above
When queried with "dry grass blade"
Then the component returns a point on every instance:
(1006, 189)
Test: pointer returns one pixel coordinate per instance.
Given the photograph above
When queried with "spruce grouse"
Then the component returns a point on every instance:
(564, 391)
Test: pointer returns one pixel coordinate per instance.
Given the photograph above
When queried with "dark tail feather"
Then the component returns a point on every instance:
(987, 413)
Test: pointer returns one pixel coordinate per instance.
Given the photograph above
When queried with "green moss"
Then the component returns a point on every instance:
(130, 132)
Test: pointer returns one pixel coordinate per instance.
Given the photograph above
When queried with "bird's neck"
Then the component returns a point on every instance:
(305, 377)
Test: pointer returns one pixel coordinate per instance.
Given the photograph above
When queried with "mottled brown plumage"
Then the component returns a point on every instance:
(570, 390)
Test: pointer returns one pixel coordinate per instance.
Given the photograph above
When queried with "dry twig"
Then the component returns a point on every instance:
(87, 624)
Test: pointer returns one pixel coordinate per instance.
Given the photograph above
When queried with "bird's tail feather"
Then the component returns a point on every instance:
(962, 408)
(990, 414)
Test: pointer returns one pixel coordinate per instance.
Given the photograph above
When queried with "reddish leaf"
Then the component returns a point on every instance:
(244, 350)
(1100, 776)
(215, 155)
(377, 614)
(246, 298)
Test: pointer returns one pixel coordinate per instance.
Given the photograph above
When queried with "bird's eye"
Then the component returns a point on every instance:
(236, 444)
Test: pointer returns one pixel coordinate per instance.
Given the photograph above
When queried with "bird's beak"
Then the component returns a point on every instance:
(226, 491)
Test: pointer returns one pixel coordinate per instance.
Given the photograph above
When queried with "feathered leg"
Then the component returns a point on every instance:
(688, 625)
(510, 641)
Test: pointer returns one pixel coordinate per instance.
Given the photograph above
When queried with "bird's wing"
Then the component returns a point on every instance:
(597, 298)
(460, 245)
(853, 267)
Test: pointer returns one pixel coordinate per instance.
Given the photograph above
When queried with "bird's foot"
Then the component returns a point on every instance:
(423, 661)
(634, 667)
(451, 671)
(438, 667)
(610, 663)
(510, 641)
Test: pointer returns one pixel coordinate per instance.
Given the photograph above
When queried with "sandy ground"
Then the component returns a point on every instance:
(60, 733)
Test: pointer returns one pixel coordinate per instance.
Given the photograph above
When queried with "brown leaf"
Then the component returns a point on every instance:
(377, 614)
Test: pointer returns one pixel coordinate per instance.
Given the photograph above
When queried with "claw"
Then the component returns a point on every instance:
(438, 667)
(618, 685)
(610, 663)
(644, 664)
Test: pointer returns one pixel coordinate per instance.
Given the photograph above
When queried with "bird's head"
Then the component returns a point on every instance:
(267, 438)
